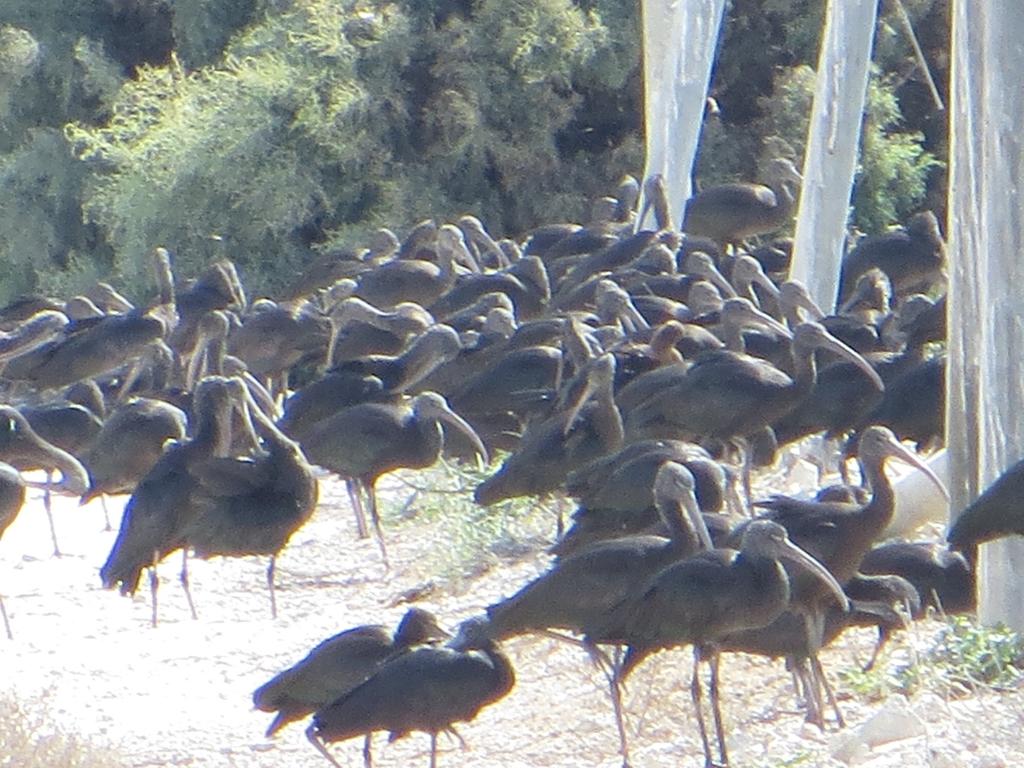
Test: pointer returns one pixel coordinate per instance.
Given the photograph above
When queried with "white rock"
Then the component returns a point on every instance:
(895, 721)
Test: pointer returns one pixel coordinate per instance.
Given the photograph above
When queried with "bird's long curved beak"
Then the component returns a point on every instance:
(899, 451)
(705, 268)
(74, 479)
(451, 417)
(632, 321)
(848, 353)
(791, 552)
(693, 512)
(763, 319)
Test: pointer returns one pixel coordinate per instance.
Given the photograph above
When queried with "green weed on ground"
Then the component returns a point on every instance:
(962, 658)
(472, 538)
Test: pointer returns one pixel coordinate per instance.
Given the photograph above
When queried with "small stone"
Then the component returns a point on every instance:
(895, 721)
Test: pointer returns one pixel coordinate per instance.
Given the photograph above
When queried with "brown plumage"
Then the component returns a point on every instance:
(730, 213)
(12, 497)
(339, 664)
(429, 689)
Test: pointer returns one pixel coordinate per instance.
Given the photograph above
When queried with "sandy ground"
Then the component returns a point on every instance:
(180, 694)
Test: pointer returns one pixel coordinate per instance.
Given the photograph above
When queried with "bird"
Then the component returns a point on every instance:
(99, 347)
(728, 396)
(615, 492)
(251, 504)
(339, 664)
(996, 513)
(943, 578)
(591, 581)
(415, 279)
(31, 333)
(588, 427)
(875, 601)
(12, 498)
(273, 338)
(371, 439)
(428, 689)
(130, 442)
(730, 213)
(23, 448)
(702, 599)
(839, 534)
(68, 426)
(153, 522)
(912, 258)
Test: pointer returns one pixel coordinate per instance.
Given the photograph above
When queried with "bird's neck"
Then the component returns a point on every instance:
(805, 370)
(878, 512)
(785, 199)
(771, 582)
(608, 420)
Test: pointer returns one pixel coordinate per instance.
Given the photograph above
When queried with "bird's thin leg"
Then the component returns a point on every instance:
(311, 735)
(598, 657)
(106, 513)
(798, 683)
(371, 494)
(819, 673)
(620, 716)
(154, 583)
(185, 584)
(716, 709)
(352, 486)
(7, 623)
(696, 696)
(368, 751)
(48, 506)
(812, 697)
(270, 586)
(451, 731)
(433, 749)
(883, 638)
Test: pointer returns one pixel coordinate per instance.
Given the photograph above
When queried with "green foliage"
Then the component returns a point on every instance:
(470, 538)
(966, 656)
(963, 656)
(891, 181)
(284, 128)
(39, 221)
(331, 119)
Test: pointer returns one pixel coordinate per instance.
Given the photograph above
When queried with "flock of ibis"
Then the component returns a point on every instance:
(650, 374)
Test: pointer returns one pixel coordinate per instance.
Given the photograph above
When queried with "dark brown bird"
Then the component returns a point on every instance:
(912, 258)
(131, 441)
(23, 448)
(101, 346)
(582, 587)
(339, 664)
(154, 520)
(369, 440)
(12, 498)
(839, 534)
(587, 428)
(428, 689)
(702, 599)
(995, 514)
(944, 579)
(730, 213)
(875, 601)
(251, 504)
(414, 279)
